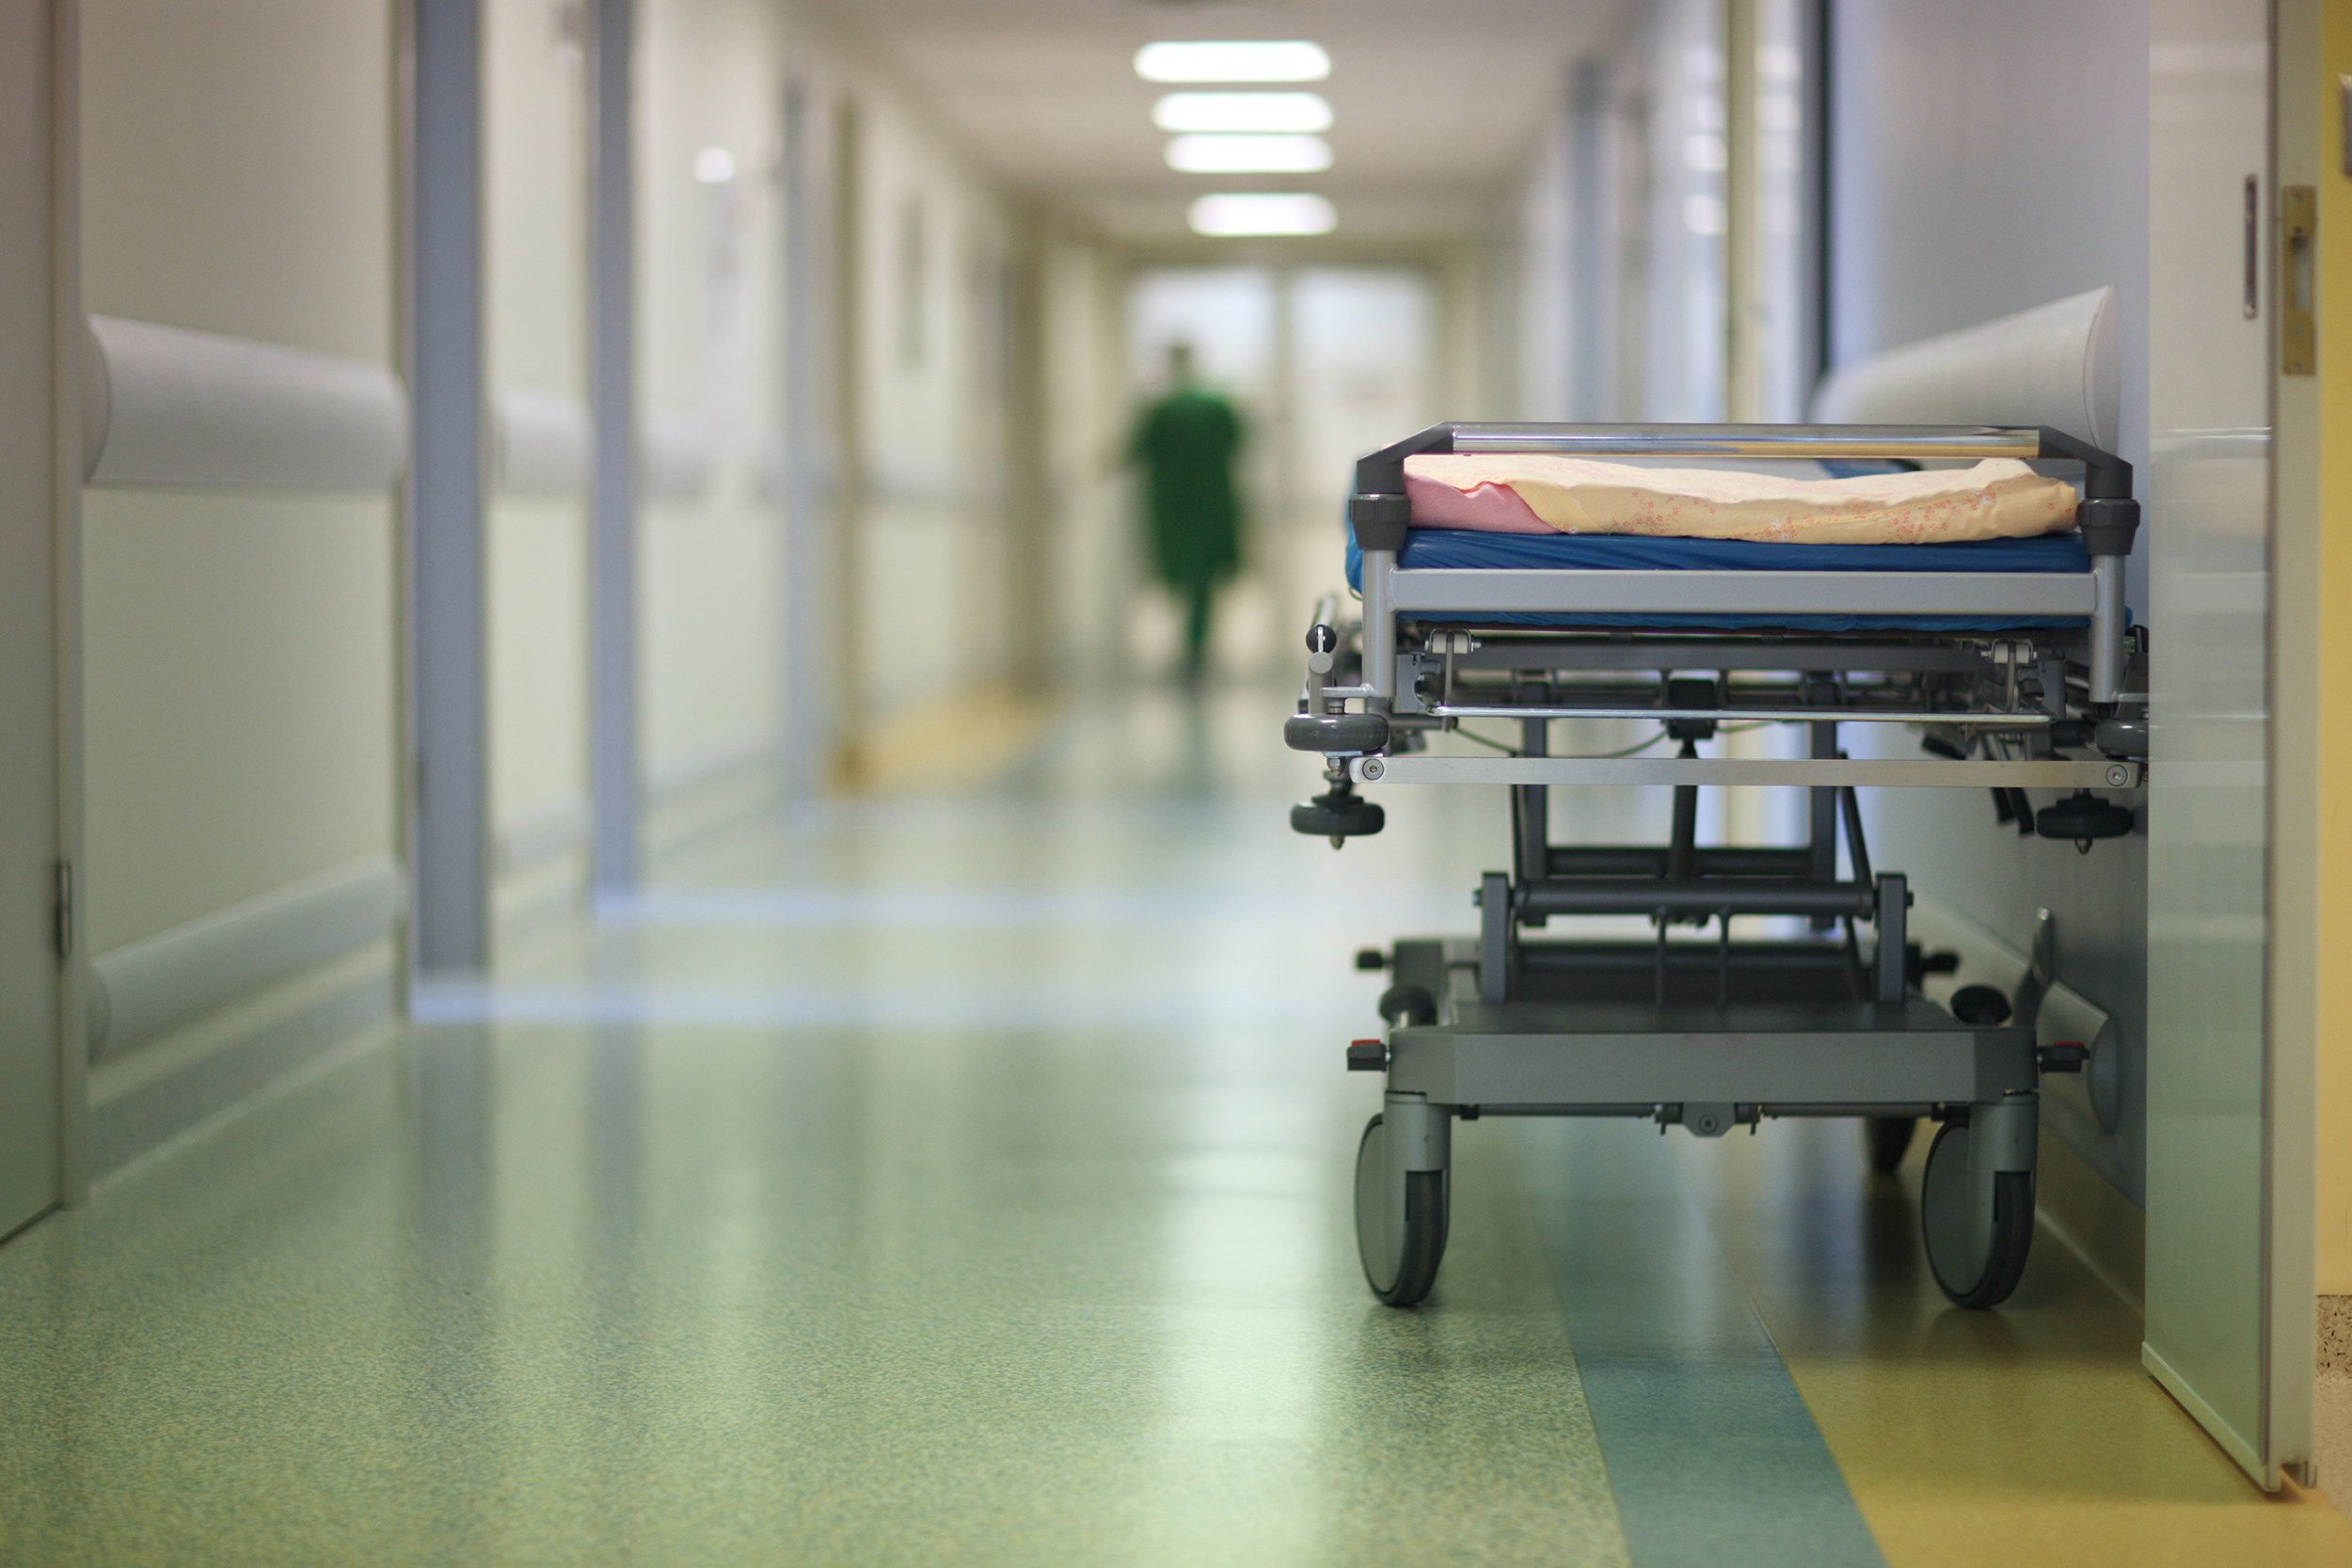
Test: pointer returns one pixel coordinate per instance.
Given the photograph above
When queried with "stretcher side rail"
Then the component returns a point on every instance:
(1477, 590)
(1810, 773)
(1648, 652)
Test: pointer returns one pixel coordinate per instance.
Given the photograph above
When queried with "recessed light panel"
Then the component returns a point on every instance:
(1242, 111)
(1245, 213)
(1220, 154)
(1291, 61)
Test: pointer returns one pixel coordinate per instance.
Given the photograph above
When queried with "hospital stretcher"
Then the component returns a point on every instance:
(2012, 658)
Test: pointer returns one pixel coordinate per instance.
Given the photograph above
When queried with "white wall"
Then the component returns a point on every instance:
(535, 318)
(1613, 231)
(1989, 158)
(711, 77)
(1365, 370)
(930, 549)
(1093, 555)
(238, 648)
(1676, 69)
(1539, 234)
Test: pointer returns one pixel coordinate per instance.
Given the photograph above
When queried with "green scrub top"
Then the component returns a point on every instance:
(1185, 444)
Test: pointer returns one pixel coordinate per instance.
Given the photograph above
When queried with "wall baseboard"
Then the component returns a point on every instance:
(531, 838)
(668, 784)
(2094, 1216)
(702, 794)
(154, 986)
(236, 1056)
(538, 896)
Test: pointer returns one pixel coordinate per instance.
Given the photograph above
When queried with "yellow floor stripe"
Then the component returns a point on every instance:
(2026, 1435)
(955, 743)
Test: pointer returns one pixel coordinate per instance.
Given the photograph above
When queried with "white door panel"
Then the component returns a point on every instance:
(29, 734)
(2213, 1259)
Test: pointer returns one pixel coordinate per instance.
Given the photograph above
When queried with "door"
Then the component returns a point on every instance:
(2229, 1150)
(35, 306)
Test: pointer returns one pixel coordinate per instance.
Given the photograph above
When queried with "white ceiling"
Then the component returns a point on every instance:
(1435, 100)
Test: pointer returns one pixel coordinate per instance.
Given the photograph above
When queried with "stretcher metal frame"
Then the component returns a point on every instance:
(1713, 1035)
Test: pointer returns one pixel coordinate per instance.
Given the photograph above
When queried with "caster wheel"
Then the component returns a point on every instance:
(1400, 1235)
(1337, 815)
(1887, 1140)
(1975, 1248)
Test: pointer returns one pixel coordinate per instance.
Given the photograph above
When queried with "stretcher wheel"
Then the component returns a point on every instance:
(1339, 734)
(1337, 815)
(1887, 1139)
(1977, 1240)
(1400, 1234)
(2083, 816)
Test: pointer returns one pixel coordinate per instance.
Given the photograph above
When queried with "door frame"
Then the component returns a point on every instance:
(44, 337)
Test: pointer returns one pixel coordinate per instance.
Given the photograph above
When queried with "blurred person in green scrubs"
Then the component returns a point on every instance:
(1185, 444)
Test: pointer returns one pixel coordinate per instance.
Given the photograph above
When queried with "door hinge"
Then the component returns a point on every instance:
(62, 911)
(2298, 262)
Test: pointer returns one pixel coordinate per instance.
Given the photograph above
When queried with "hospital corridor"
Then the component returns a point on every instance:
(1176, 782)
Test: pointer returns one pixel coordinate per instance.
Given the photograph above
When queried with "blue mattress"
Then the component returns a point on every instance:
(1436, 548)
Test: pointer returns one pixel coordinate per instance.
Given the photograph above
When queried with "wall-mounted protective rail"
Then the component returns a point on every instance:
(170, 407)
(163, 405)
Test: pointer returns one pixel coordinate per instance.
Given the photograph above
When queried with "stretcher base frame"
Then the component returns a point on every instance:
(1614, 1057)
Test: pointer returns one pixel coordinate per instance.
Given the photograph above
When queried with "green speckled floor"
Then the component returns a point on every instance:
(907, 1182)
(967, 1181)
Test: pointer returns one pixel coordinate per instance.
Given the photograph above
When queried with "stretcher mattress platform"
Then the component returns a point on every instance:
(1466, 549)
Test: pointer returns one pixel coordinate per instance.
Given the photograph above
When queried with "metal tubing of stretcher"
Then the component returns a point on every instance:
(2106, 628)
(2104, 475)
(1891, 969)
(1625, 957)
(1732, 440)
(1647, 896)
(1861, 772)
(1471, 591)
(1644, 860)
(1750, 715)
(1381, 625)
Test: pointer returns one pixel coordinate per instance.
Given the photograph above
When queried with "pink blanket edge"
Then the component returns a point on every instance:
(1489, 509)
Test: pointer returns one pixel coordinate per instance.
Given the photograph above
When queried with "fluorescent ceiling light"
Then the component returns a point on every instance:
(1294, 62)
(1239, 214)
(714, 166)
(1248, 154)
(1242, 111)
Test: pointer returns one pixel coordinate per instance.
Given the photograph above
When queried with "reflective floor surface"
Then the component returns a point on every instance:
(967, 1181)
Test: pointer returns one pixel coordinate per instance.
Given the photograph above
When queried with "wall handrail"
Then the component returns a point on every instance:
(163, 405)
